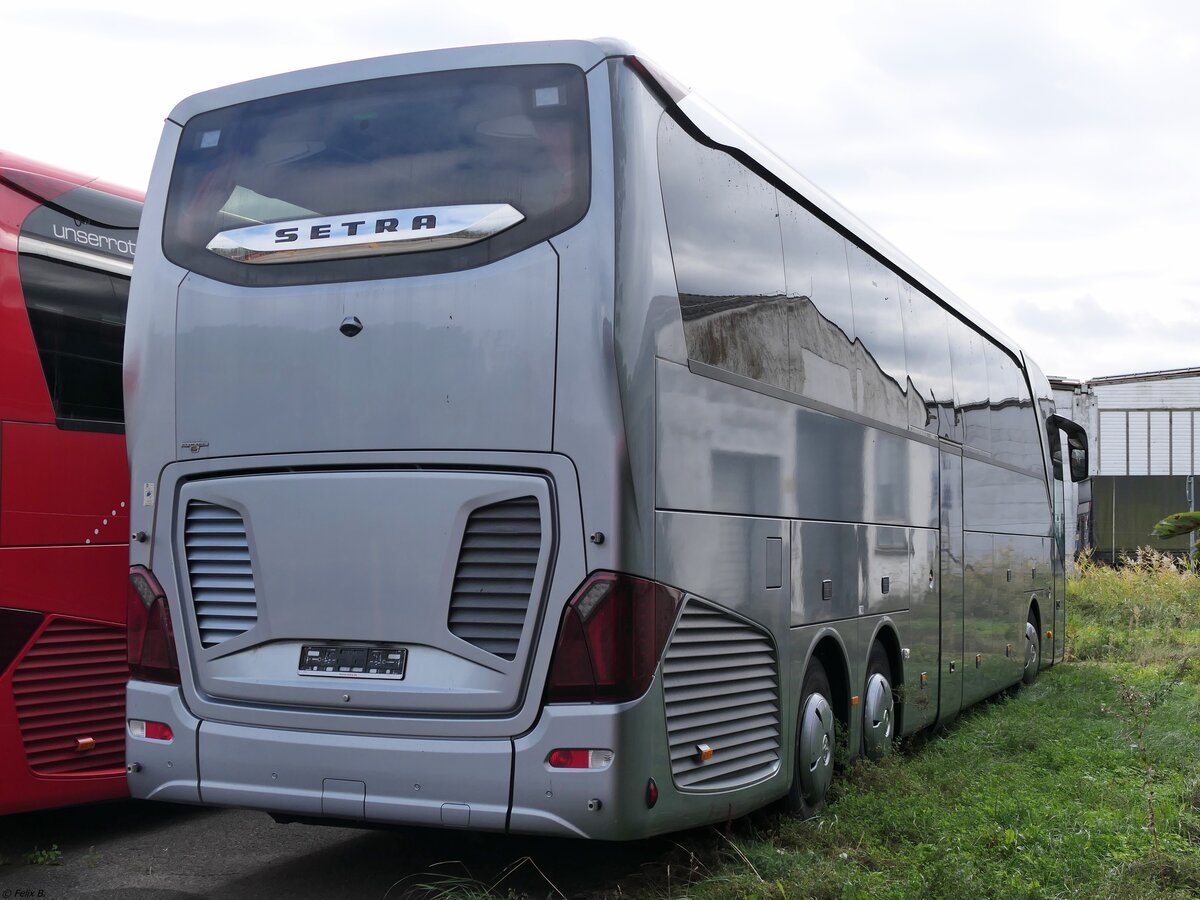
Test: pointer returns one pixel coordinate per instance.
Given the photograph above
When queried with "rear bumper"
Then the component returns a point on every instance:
(417, 782)
(381, 779)
(483, 784)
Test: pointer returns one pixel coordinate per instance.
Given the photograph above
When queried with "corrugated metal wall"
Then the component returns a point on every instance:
(1182, 442)
(1147, 442)
(1148, 427)
(1150, 393)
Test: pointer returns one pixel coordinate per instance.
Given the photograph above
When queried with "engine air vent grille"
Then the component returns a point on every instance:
(721, 690)
(69, 691)
(494, 580)
(222, 580)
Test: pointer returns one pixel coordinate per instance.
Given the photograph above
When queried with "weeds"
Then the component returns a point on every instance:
(1135, 709)
(1146, 611)
(444, 886)
(39, 857)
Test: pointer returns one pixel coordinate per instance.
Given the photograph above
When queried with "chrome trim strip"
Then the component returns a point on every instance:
(38, 247)
(365, 234)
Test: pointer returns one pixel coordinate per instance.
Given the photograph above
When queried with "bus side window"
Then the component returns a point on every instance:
(927, 351)
(724, 231)
(970, 385)
(1014, 431)
(875, 290)
(1031, 444)
(1003, 403)
(820, 314)
(1027, 428)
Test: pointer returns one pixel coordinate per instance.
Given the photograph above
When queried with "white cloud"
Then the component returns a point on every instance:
(1040, 158)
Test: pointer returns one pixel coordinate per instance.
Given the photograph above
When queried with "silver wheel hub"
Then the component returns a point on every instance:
(1031, 646)
(816, 748)
(878, 716)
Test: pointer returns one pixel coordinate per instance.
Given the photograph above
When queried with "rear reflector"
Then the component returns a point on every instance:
(153, 731)
(580, 759)
(151, 640)
(612, 634)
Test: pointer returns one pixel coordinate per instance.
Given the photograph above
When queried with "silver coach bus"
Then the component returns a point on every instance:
(523, 447)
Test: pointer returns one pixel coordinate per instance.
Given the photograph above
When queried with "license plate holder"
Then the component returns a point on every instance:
(353, 661)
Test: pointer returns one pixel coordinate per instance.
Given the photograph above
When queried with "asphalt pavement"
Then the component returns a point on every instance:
(167, 852)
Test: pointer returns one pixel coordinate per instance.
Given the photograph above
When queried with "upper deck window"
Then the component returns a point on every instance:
(319, 163)
(75, 279)
(77, 315)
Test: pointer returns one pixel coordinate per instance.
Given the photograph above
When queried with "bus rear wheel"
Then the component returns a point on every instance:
(1033, 650)
(815, 738)
(879, 708)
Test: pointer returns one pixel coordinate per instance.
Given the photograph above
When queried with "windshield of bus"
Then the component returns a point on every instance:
(354, 161)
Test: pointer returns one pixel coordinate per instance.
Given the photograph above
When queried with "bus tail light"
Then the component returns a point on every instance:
(612, 634)
(151, 641)
(154, 731)
(580, 759)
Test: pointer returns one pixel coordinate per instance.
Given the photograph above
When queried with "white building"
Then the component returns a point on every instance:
(1144, 433)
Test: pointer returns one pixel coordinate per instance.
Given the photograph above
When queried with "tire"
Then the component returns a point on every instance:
(812, 772)
(1033, 650)
(879, 706)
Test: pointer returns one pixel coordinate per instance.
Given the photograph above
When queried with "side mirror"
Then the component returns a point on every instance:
(1079, 464)
(1077, 447)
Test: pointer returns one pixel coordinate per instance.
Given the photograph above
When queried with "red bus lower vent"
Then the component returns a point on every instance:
(70, 697)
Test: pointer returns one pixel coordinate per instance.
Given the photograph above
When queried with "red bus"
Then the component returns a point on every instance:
(66, 253)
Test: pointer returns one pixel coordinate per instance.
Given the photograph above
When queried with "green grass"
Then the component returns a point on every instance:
(1086, 784)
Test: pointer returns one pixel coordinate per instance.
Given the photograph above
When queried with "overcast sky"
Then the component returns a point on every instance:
(1041, 159)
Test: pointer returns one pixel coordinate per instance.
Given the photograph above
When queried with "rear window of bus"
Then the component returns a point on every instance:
(512, 135)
